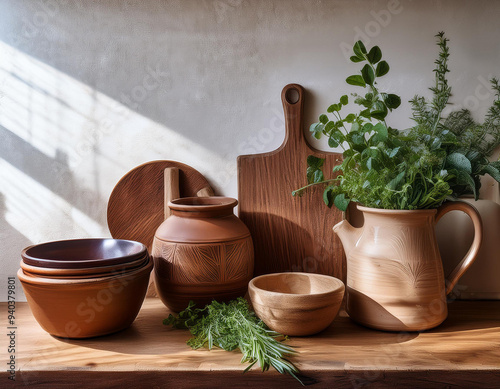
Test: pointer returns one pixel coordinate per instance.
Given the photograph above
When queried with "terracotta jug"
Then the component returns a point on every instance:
(395, 279)
(202, 252)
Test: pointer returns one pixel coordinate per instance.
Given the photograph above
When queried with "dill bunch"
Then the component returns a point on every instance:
(234, 326)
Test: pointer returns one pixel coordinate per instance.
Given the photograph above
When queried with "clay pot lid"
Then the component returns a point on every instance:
(83, 253)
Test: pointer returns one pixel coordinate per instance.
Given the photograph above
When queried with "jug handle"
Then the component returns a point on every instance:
(464, 264)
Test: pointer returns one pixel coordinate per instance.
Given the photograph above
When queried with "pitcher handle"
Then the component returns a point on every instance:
(464, 264)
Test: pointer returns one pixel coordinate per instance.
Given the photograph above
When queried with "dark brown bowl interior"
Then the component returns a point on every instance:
(83, 253)
(83, 272)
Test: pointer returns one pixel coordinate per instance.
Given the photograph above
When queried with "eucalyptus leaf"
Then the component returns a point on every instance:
(341, 202)
(392, 101)
(318, 176)
(495, 164)
(356, 80)
(374, 55)
(460, 162)
(329, 126)
(368, 75)
(348, 153)
(334, 108)
(378, 110)
(350, 118)
(355, 127)
(317, 129)
(328, 195)
(493, 172)
(367, 127)
(357, 138)
(464, 178)
(381, 131)
(382, 69)
(359, 49)
(315, 162)
(332, 142)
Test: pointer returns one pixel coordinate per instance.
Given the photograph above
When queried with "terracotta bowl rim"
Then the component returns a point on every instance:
(212, 203)
(53, 271)
(339, 286)
(41, 281)
(89, 272)
(81, 263)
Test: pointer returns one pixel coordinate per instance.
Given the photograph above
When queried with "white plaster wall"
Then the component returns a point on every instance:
(88, 90)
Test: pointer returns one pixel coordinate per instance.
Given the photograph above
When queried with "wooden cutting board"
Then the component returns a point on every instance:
(289, 233)
(136, 205)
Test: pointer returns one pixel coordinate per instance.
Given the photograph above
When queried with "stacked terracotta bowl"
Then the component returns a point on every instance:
(86, 287)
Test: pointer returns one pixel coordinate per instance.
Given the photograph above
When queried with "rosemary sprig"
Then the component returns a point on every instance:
(233, 326)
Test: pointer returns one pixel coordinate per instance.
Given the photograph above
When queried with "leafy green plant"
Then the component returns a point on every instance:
(416, 168)
(233, 326)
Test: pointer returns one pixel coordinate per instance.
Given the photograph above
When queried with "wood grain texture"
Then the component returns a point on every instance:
(205, 192)
(296, 304)
(352, 379)
(462, 352)
(171, 188)
(290, 234)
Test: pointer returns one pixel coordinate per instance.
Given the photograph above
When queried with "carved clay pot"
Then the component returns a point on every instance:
(202, 252)
(395, 279)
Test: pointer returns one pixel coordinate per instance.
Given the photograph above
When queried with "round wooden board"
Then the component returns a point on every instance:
(136, 204)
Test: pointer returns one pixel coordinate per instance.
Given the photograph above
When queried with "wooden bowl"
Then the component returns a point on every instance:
(84, 308)
(296, 304)
(83, 253)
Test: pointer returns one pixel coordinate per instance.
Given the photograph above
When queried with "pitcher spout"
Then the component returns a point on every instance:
(348, 235)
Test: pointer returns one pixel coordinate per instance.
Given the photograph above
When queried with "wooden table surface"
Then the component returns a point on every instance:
(463, 352)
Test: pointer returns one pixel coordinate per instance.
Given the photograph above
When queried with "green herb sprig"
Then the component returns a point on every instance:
(439, 157)
(233, 326)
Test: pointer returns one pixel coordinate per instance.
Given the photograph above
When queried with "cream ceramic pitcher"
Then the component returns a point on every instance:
(395, 279)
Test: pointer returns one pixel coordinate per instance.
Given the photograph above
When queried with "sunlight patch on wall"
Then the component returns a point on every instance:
(39, 214)
(98, 138)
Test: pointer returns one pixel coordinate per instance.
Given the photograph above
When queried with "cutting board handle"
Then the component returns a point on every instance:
(292, 97)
